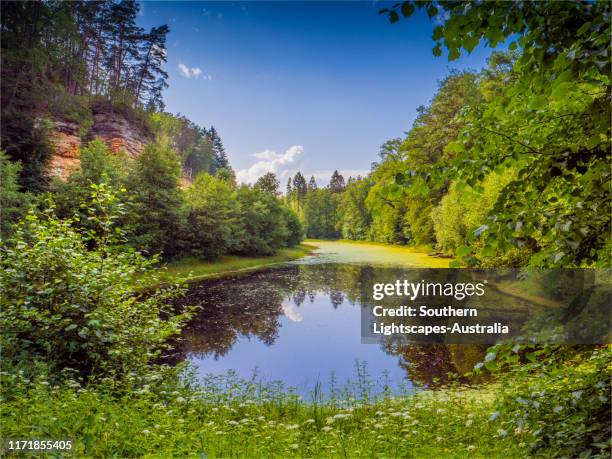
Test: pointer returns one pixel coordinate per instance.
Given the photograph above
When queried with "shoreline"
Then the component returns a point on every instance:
(197, 270)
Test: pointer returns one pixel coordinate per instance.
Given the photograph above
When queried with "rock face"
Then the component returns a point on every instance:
(111, 127)
(118, 133)
(66, 141)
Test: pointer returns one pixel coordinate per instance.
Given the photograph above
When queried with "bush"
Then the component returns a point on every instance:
(71, 298)
(557, 401)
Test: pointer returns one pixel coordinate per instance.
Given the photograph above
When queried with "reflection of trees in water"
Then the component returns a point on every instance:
(251, 305)
(434, 364)
(246, 305)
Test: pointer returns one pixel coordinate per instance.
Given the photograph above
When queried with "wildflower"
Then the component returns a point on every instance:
(326, 429)
(292, 427)
(471, 448)
(232, 422)
(146, 432)
(469, 422)
(219, 432)
(309, 421)
(294, 446)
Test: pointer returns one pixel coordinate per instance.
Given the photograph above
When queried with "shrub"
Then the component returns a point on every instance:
(557, 401)
(70, 298)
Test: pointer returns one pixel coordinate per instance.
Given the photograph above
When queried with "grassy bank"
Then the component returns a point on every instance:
(181, 423)
(194, 269)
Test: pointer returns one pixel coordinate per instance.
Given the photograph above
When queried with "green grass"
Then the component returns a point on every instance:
(194, 269)
(209, 423)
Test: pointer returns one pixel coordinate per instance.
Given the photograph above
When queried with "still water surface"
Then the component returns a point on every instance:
(300, 323)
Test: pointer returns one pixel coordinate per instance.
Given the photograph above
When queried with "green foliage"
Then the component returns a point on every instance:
(97, 165)
(268, 183)
(211, 216)
(13, 202)
(547, 120)
(223, 218)
(295, 230)
(463, 211)
(321, 214)
(262, 224)
(26, 141)
(70, 297)
(158, 204)
(354, 217)
(557, 400)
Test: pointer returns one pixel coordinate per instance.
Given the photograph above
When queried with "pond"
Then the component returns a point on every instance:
(300, 323)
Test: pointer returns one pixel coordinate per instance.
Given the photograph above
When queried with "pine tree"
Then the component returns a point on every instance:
(312, 184)
(289, 189)
(336, 184)
(299, 185)
(151, 75)
(299, 188)
(221, 161)
(124, 36)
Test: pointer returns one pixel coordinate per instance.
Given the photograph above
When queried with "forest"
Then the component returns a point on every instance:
(508, 166)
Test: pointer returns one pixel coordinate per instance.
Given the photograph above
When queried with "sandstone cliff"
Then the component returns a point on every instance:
(110, 126)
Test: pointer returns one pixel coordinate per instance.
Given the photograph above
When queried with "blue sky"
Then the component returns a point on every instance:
(310, 86)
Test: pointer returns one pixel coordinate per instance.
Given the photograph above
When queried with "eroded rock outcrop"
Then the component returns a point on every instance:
(111, 127)
(118, 133)
(65, 140)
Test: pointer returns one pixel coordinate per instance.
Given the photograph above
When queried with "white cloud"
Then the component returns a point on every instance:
(286, 165)
(193, 72)
(291, 312)
(185, 71)
(270, 161)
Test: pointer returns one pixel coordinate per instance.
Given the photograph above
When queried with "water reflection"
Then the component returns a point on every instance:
(301, 323)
